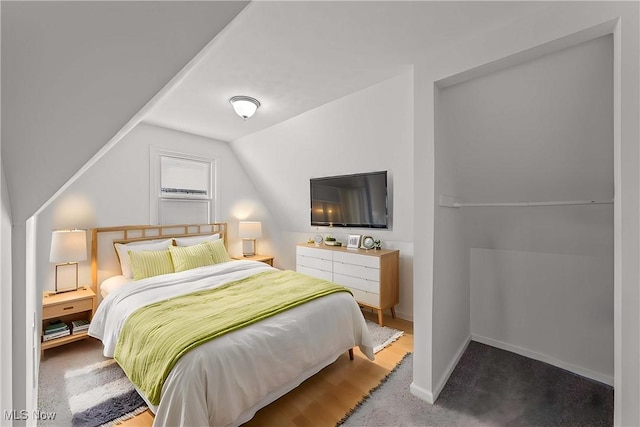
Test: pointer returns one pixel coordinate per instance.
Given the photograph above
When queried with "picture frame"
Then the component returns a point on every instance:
(354, 241)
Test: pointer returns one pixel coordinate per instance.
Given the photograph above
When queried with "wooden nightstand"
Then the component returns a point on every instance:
(267, 259)
(67, 307)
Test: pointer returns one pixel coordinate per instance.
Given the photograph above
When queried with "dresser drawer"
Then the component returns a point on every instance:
(368, 298)
(70, 307)
(372, 276)
(321, 274)
(314, 253)
(317, 263)
(368, 273)
(357, 283)
(357, 259)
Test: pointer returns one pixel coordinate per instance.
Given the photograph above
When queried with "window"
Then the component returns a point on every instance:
(183, 188)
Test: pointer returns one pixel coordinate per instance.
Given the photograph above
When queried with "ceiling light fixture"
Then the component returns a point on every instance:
(244, 106)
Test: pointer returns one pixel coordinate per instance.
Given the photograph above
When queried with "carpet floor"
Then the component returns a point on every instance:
(489, 387)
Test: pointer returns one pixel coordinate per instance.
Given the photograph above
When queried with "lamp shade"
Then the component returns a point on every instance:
(68, 246)
(244, 106)
(250, 229)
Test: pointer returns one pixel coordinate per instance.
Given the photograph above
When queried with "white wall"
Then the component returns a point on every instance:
(538, 131)
(562, 24)
(115, 191)
(6, 375)
(545, 306)
(367, 131)
(451, 329)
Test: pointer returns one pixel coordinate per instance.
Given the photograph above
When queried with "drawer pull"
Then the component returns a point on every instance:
(67, 308)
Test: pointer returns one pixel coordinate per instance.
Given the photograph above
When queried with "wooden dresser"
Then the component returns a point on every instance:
(372, 275)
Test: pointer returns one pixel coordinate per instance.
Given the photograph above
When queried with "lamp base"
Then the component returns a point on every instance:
(248, 247)
(62, 291)
(67, 276)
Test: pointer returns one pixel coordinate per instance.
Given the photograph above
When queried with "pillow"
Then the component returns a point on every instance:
(218, 251)
(124, 249)
(188, 257)
(112, 283)
(194, 240)
(150, 263)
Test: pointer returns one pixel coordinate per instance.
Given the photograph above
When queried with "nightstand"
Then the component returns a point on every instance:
(267, 259)
(67, 307)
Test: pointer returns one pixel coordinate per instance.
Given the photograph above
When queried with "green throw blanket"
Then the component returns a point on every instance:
(154, 337)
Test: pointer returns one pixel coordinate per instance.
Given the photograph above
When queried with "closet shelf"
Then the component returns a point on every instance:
(449, 202)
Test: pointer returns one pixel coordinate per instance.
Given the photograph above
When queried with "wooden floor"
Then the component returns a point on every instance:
(325, 398)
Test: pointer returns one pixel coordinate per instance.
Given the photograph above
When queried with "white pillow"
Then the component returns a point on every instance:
(195, 240)
(149, 245)
(112, 283)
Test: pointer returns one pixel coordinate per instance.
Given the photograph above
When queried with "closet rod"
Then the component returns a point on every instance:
(525, 204)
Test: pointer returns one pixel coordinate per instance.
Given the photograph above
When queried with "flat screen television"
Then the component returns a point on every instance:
(358, 200)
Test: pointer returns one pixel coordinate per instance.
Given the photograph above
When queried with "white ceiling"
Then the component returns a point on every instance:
(296, 56)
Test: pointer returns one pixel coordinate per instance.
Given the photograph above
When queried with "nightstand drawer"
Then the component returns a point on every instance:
(70, 307)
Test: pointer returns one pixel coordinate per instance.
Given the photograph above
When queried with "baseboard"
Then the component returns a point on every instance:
(405, 316)
(605, 379)
(421, 393)
(452, 365)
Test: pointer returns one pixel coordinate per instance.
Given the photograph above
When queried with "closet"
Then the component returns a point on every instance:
(524, 225)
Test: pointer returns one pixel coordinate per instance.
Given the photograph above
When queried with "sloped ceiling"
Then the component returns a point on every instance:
(296, 56)
(73, 73)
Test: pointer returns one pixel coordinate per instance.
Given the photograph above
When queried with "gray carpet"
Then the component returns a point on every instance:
(490, 387)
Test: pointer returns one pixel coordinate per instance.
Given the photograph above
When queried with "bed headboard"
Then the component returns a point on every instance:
(104, 261)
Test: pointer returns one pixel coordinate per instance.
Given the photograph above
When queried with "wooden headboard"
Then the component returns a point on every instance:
(104, 262)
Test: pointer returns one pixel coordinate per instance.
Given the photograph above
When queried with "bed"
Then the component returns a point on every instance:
(225, 380)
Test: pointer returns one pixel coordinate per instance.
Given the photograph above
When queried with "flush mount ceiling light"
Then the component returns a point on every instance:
(244, 106)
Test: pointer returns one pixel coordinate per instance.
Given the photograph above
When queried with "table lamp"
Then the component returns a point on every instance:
(249, 231)
(68, 247)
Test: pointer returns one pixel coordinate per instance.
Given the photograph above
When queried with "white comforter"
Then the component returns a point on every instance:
(225, 381)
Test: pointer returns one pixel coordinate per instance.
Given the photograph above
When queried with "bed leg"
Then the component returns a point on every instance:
(350, 354)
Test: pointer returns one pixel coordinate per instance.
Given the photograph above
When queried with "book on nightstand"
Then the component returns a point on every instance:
(56, 329)
(78, 326)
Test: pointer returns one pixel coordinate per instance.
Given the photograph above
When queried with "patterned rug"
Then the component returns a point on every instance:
(101, 394)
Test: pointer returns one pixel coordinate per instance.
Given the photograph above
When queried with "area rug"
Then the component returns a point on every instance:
(101, 394)
(382, 336)
(489, 387)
